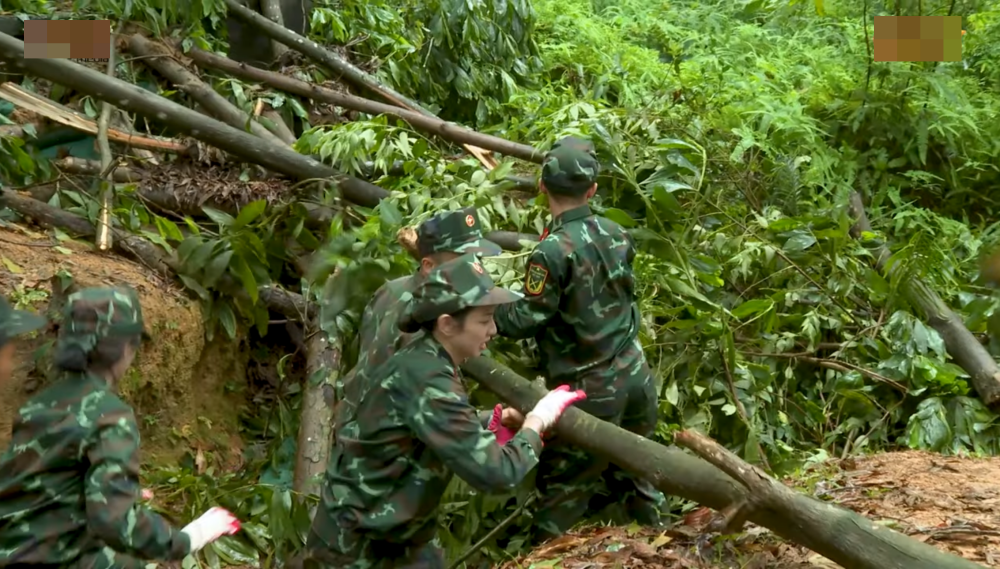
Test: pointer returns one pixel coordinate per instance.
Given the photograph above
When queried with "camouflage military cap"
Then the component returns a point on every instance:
(454, 232)
(16, 322)
(570, 167)
(451, 287)
(115, 312)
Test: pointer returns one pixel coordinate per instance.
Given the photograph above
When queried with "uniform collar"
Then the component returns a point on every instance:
(572, 215)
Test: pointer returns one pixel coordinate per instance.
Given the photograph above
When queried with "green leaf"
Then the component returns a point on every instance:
(217, 267)
(227, 318)
(195, 286)
(799, 241)
(242, 270)
(250, 212)
(222, 218)
(755, 306)
(619, 217)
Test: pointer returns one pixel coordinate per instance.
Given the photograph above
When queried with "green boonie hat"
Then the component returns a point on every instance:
(570, 167)
(450, 287)
(454, 232)
(16, 322)
(116, 312)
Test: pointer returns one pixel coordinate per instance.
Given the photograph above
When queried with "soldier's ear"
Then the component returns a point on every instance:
(448, 325)
(593, 190)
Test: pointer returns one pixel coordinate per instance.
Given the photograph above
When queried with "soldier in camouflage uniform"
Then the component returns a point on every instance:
(580, 308)
(69, 482)
(13, 323)
(414, 428)
(441, 238)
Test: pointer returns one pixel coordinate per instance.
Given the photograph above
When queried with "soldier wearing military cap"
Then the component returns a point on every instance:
(69, 482)
(580, 307)
(413, 428)
(443, 237)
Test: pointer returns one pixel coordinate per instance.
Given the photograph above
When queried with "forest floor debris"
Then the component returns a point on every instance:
(950, 502)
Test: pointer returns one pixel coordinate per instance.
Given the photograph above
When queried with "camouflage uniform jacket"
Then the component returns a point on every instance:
(379, 335)
(414, 429)
(69, 482)
(579, 303)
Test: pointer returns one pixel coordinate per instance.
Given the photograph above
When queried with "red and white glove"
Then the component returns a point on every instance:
(552, 406)
(212, 525)
(499, 430)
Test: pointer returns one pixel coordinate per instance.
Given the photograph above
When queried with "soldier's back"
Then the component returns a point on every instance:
(43, 518)
(598, 318)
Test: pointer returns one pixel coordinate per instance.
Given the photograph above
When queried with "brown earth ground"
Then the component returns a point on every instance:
(952, 503)
(185, 391)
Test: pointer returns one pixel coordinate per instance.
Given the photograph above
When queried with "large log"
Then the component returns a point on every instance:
(430, 124)
(967, 352)
(278, 158)
(836, 533)
(159, 58)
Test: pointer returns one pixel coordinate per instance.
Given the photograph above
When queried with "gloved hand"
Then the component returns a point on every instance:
(496, 426)
(212, 525)
(551, 407)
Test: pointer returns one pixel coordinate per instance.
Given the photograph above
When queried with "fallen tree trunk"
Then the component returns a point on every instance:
(839, 534)
(316, 418)
(836, 533)
(278, 158)
(160, 59)
(430, 124)
(354, 75)
(967, 352)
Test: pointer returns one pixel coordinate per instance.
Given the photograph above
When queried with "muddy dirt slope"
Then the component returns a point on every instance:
(186, 391)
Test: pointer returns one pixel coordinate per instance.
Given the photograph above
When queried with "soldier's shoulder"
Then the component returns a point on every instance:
(418, 361)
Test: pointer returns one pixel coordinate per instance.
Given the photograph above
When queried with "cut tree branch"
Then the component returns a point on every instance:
(838, 534)
(967, 352)
(68, 117)
(349, 72)
(430, 124)
(248, 147)
(104, 148)
(159, 58)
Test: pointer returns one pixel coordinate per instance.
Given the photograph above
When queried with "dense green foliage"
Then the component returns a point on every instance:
(732, 134)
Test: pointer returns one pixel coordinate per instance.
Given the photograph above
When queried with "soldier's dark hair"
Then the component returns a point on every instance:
(459, 316)
(106, 353)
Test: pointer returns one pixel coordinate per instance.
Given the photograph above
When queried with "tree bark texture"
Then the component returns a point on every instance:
(316, 417)
(836, 533)
(278, 158)
(967, 352)
(162, 60)
(271, 9)
(427, 123)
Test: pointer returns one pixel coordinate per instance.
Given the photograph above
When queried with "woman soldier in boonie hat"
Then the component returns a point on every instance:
(69, 483)
(414, 427)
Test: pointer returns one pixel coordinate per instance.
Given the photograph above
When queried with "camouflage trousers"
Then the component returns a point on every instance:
(105, 558)
(571, 481)
(349, 548)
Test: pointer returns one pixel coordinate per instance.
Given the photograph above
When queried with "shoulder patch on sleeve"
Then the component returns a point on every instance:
(534, 283)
